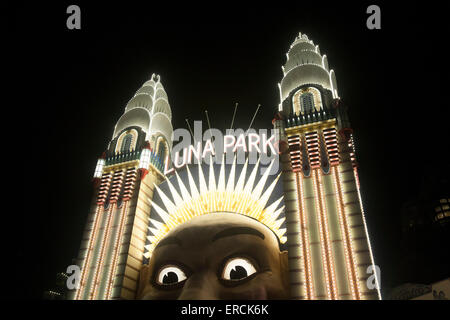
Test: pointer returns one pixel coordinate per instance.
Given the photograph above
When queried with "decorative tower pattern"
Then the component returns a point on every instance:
(113, 243)
(328, 242)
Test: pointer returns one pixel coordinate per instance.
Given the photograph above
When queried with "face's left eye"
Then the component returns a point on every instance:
(238, 269)
(170, 275)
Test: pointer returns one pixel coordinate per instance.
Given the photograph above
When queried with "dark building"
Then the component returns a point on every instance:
(59, 291)
(425, 235)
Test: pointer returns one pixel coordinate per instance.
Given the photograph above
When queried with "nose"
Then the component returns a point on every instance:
(200, 286)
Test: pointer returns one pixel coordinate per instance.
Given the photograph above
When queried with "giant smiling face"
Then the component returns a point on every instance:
(217, 256)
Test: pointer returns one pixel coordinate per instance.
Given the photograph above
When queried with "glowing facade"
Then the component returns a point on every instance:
(112, 248)
(328, 243)
(318, 217)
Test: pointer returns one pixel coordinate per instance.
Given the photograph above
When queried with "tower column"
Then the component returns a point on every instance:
(112, 250)
(323, 200)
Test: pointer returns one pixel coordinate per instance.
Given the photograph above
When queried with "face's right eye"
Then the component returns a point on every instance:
(237, 269)
(170, 275)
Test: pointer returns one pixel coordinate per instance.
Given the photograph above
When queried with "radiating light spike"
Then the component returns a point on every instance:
(152, 239)
(184, 192)
(201, 180)
(170, 206)
(277, 213)
(221, 183)
(156, 223)
(251, 180)
(211, 178)
(281, 235)
(192, 185)
(241, 180)
(163, 214)
(273, 207)
(147, 255)
(230, 183)
(279, 222)
(265, 197)
(153, 231)
(262, 182)
(175, 195)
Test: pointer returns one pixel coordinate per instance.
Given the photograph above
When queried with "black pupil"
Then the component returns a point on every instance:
(238, 273)
(170, 278)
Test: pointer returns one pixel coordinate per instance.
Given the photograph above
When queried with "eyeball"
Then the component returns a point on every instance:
(170, 275)
(238, 269)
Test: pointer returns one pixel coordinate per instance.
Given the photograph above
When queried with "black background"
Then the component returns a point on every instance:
(67, 88)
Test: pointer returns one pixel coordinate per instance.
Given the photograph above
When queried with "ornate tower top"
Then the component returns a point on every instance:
(149, 110)
(305, 65)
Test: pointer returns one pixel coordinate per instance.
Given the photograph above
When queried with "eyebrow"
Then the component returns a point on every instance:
(222, 234)
(236, 231)
(169, 240)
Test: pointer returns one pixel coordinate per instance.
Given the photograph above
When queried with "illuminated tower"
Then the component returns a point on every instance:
(328, 242)
(113, 243)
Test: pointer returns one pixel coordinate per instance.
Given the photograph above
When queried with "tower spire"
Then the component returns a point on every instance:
(134, 161)
(320, 175)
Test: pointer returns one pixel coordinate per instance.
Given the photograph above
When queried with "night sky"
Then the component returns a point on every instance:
(68, 88)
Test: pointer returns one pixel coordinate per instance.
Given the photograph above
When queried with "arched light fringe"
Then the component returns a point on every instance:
(246, 197)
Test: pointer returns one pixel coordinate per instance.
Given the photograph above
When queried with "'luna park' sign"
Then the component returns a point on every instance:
(215, 146)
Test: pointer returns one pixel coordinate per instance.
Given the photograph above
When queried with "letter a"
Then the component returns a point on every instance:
(374, 20)
(373, 281)
(73, 281)
(74, 20)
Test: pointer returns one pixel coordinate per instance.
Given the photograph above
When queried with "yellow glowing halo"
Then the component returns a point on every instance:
(242, 197)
